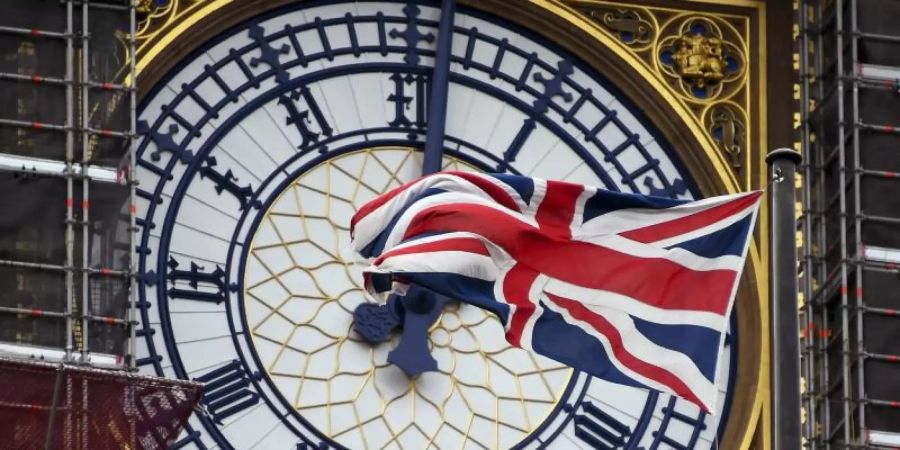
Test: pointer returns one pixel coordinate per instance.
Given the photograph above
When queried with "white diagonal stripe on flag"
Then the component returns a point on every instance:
(605, 299)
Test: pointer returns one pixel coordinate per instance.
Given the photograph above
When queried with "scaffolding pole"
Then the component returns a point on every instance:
(807, 267)
(131, 358)
(844, 254)
(842, 75)
(858, 248)
(70, 189)
(85, 184)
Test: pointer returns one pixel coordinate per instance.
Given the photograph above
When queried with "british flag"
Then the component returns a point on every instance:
(634, 289)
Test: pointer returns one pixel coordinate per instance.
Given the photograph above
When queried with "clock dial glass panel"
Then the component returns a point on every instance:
(256, 151)
(301, 289)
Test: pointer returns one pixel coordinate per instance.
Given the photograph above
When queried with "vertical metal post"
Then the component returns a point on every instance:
(85, 216)
(85, 185)
(859, 249)
(131, 360)
(785, 321)
(57, 387)
(807, 216)
(816, 162)
(70, 188)
(440, 83)
(842, 194)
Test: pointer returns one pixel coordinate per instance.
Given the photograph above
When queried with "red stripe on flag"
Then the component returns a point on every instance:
(682, 225)
(495, 192)
(470, 245)
(655, 281)
(645, 368)
(378, 202)
(557, 209)
(516, 285)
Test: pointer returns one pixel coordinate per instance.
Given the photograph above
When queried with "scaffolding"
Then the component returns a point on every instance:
(83, 73)
(850, 222)
(67, 234)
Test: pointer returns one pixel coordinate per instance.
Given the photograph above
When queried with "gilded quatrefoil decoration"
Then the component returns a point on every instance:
(703, 58)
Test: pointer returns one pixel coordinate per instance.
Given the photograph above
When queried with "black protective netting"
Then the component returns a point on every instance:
(89, 408)
(32, 230)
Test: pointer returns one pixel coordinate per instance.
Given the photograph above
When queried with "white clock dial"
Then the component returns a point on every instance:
(257, 149)
(301, 289)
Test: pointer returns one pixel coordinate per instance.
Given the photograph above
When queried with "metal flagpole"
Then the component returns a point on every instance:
(785, 328)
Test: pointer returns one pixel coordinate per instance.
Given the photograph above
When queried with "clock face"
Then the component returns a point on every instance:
(255, 153)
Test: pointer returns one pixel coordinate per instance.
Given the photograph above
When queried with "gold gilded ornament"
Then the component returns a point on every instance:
(729, 132)
(156, 19)
(703, 57)
(633, 26)
(145, 6)
(625, 21)
(699, 60)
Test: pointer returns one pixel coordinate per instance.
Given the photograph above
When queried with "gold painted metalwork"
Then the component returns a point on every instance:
(146, 6)
(702, 58)
(636, 27)
(749, 428)
(699, 60)
(727, 127)
(155, 22)
(300, 290)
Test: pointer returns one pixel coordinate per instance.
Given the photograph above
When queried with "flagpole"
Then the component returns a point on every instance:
(785, 328)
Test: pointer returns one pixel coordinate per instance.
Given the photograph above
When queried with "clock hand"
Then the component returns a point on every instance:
(440, 83)
(376, 322)
(418, 310)
(421, 309)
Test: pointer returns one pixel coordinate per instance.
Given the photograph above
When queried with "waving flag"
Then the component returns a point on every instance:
(633, 289)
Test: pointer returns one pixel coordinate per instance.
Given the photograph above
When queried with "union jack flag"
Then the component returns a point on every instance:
(633, 289)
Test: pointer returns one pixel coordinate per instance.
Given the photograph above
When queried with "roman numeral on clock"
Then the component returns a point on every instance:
(553, 87)
(228, 390)
(668, 436)
(191, 437)
(402, 99)
(227, 182)
(301, 118)
(186, 284)
(600, 430)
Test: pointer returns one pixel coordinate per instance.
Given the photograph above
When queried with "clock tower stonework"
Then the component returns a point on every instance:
(265, 124)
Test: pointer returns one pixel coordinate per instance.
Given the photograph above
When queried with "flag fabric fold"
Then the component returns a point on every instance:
(633, 289)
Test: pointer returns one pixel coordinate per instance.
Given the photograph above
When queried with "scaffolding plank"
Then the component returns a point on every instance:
(877, 72)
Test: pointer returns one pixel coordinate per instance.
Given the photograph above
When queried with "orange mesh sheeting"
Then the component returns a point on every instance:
(93, 409)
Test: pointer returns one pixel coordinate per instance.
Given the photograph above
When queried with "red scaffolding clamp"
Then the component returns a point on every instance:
(893, 85)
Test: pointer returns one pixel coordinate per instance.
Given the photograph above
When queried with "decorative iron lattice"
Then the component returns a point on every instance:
(283, 289)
